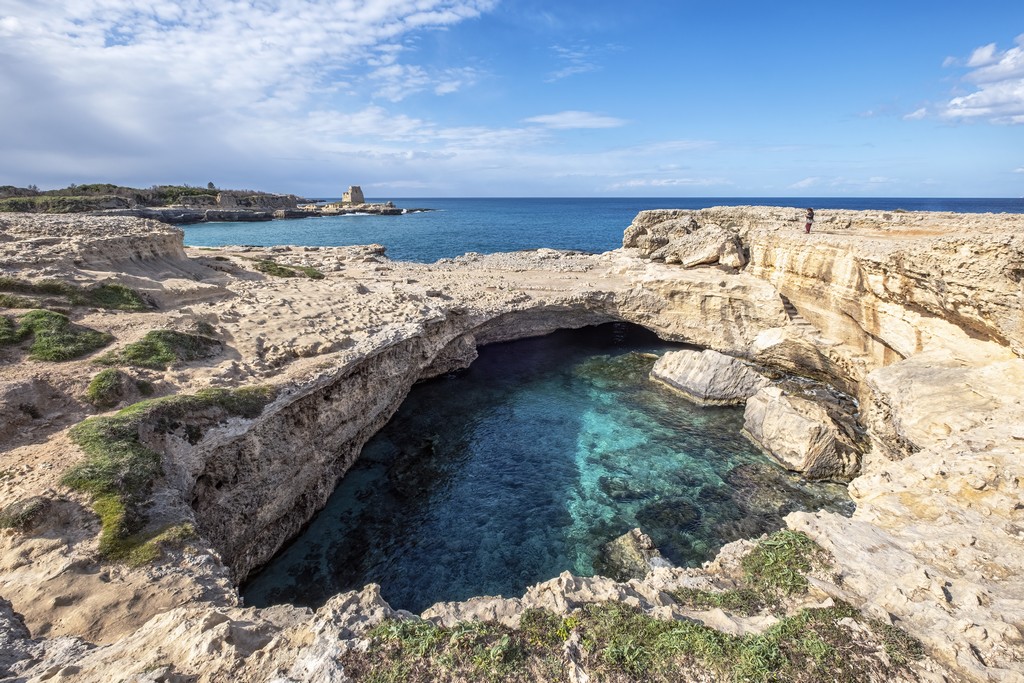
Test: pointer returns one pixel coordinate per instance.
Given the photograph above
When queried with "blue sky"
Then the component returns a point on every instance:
(421, 98)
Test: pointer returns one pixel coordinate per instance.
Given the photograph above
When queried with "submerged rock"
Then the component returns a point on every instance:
(630, 556)
(708, 377)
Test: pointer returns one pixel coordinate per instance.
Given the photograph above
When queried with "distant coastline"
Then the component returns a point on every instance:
(183, 204)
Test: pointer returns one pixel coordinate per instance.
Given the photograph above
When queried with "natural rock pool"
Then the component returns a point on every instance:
(523, 466)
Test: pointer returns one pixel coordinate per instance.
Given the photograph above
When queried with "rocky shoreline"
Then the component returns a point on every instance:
(917, 316)
(186, 216)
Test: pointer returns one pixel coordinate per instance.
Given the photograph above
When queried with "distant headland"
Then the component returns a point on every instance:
(180, 204)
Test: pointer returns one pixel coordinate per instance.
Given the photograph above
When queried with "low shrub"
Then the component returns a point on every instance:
(160, 349)
(104, 295)
(276, 269)
(54, 337)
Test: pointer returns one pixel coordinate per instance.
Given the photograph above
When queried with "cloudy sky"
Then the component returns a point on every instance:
(449, 98)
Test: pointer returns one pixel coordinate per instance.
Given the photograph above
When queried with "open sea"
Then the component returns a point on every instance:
(457, 226)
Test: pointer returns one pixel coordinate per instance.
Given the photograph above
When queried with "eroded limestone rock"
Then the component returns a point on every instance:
(799, 434)
(708, 377)
(630, 556)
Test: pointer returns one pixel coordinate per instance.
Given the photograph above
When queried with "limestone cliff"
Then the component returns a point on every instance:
(917, 315)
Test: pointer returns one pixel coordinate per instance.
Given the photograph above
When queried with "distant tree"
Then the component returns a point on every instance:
(33, 188)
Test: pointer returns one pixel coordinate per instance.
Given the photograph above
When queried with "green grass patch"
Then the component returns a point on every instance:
(745, 601)
(776, 567)
(8, 331)
(104, 391)
(104, 295)
(160, 349)
(778, 564)
(274, 268)
(14, 301)
(119, 470)
(269, 267)
(621, 643)
(22, 514)
(112, 386)
(54, 337)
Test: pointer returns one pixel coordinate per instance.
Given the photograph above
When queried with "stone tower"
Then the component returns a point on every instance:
(353, 196)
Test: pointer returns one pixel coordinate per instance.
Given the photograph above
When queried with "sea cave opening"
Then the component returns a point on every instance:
(523, 466)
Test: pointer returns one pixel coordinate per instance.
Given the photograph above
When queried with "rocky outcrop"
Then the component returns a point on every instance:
(708, 377)
(800, 435)
(678, 238)
(630, 556)
(916, 315)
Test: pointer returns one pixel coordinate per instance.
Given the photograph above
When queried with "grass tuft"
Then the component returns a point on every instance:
(111, 386)
(13, 301)
(622, 643)
(160, 349)
(119, 470)
(270, 267)
(54, 336)
(105, 295)
(21, 515)
(778, 564)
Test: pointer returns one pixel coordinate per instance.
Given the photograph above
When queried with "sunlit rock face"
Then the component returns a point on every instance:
(708, 377)
(917, 315)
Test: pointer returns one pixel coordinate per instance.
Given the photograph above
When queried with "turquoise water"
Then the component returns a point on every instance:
(523, 466)
(493, 225)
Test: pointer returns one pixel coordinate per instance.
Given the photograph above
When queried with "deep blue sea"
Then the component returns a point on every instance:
(492, 225)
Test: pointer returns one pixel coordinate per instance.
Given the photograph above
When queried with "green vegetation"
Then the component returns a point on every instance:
(104, 295)
(54, 337)
(12, 301)
(8, 331)
(276, 269)
(778, 564)
(621, 643)
(740, 600)
(776, 567)
(119, 470)
(280, 270)
(96, 196)
(22, 514)
(160, 349)
(111, 386)
(51, 204)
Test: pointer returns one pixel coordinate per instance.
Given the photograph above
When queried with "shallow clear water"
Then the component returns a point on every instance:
(492, 225)
(523, 466)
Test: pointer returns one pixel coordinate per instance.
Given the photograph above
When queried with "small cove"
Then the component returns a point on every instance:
(522, 466)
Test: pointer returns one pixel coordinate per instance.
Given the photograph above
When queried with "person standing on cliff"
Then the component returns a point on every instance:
(810, 221)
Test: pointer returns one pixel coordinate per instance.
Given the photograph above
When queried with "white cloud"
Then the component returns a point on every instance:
(636, 183)
(161, 86)
(577, 59)
(568, 120)
(395, 82)
(916, 115)
(983, 56)
(999, 80)
(805, 183)
(1019, 170)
